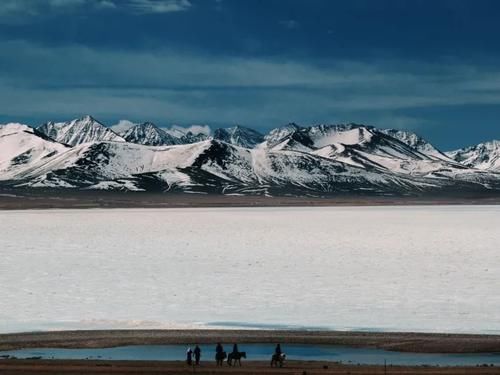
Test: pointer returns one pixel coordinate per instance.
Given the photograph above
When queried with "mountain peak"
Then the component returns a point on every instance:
(149, 124)
(82, 130)
(147, 133)
(88, 119)
(239, 135)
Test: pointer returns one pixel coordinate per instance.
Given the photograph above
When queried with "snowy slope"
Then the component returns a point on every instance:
(21, 147)
(208, 166)
(416, 142)
(93, 163)
(484, 156)
(78, 131)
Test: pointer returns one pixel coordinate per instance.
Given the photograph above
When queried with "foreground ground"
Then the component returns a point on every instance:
(296, 368)
(403, 342)
(19, 199)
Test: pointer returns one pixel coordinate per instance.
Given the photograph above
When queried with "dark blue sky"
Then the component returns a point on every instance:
(428, 66)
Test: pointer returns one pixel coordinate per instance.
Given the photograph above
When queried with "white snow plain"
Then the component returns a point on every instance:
(432, 268)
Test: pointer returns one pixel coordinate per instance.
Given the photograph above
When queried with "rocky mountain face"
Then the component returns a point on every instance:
(320, 160)
(239, 136)
(149, 134)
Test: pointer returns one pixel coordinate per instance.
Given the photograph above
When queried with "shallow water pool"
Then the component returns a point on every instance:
(263, 352)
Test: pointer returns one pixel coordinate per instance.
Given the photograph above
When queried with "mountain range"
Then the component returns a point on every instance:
(319, 160)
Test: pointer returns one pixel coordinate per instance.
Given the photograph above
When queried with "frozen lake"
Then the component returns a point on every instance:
(374, 268)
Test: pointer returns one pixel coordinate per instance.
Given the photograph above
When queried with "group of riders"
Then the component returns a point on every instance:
(235, 356)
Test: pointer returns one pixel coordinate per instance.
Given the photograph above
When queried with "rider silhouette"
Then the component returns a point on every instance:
(278, 351)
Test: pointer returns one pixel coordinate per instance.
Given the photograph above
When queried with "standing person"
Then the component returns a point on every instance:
(197, 355)
(219, 354)
(189, 356)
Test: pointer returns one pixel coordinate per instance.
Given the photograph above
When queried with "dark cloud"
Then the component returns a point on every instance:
(256, 63)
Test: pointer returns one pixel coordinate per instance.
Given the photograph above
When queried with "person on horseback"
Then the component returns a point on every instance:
(278, 357)
(235, 356)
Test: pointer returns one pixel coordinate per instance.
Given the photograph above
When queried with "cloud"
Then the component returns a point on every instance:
(398, 121)
(106, 4)
(168, 86)
(158, 6)
(289, 24)
(9, 8)
(122, 126)
(24, 11)
(67, 3)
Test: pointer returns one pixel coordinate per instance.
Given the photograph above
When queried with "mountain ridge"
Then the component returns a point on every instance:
(317, 160)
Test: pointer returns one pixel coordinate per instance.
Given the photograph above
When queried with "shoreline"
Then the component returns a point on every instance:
(208, 367)
(391, 341)
(40, 199)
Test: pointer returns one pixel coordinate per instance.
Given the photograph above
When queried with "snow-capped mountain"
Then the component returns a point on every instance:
(364, 147)
(278, 135)
(317, 160)
(78, 131)
(485, 156)
(22, 146)
(186, 136)
(149, 134)
(239, 136)
(190, 137)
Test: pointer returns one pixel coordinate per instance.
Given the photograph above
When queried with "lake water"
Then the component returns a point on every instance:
(262, 352)
(352, 268)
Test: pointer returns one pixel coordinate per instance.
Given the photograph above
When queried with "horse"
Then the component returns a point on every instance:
(278, 360)
(220, 357)
(236, 357)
